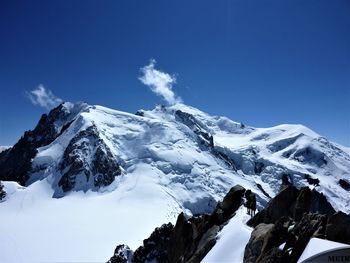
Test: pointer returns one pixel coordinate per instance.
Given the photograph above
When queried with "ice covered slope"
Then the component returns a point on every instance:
(198, 157)
(119, 175)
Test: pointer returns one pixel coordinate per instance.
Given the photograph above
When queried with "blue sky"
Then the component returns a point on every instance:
(259, 62)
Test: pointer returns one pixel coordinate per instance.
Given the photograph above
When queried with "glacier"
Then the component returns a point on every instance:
(172, 159)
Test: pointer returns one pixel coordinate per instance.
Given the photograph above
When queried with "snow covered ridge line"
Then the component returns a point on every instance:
(197, 156)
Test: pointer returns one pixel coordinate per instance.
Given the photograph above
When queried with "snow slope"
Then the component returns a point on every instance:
(172, 159)
(232, 240)
(82, 227)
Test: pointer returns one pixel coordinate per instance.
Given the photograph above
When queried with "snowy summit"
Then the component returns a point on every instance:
(89, 177)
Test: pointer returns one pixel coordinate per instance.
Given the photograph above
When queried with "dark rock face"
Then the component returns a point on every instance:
(266, 238)
(295, 216)
(190, 239)
(292, 203)
(155, 247)
(85, 157)
(280, 206)
(140, 113)
(345, 184)
(312, 181)
(310, 225)
(15, 163)
(122, 254)
(338, 228)
(312, 201)
(2, 191)
(285, 179)
(232, 200)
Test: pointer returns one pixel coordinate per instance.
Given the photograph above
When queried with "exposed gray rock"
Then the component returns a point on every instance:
(257, 242)
(306, 213)
(87, 162)
(264, 238)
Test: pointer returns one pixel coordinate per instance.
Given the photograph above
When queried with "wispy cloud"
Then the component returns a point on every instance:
(159, 82)
(43, 97)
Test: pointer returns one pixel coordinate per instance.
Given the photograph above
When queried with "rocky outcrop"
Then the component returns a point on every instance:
(231, 201)
(122, 254)
(2, 191)
(15, 163)
(154, 248)
(311, 181)
(292, 202)
(282, 205)
(344, 184)
(87, 162)
(293, 217)
(190, 239)
(338, 228)
(310, 225)
(313, 202)
(264, 239)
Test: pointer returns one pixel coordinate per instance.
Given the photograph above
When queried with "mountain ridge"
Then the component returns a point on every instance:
(141, 170)
(123, 139)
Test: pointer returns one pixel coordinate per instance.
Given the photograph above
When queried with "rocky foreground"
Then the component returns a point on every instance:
(280, 231)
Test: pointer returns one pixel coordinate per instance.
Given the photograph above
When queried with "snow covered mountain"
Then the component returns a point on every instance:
(115, 176)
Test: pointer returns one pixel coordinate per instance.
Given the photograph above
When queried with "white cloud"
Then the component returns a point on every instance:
(43, 97)
(159, 82)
